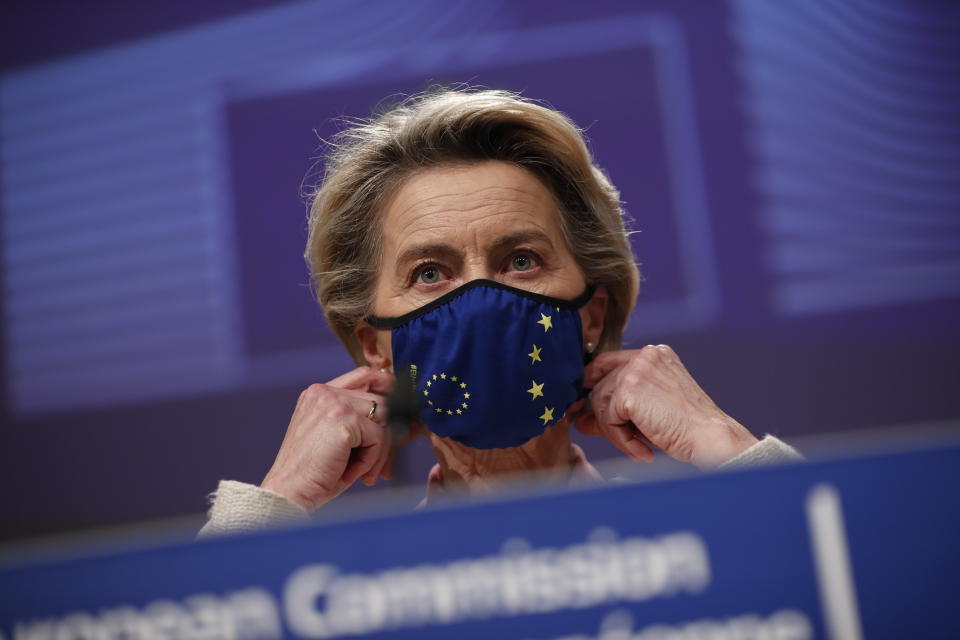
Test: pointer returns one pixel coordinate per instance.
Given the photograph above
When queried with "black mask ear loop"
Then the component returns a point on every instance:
(403, 405)
(588, 356)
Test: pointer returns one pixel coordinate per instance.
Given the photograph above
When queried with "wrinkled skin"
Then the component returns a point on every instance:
(648, 395)
(449, 225)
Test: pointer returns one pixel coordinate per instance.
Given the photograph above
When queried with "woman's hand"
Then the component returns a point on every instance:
(331, 441)
(648, 393)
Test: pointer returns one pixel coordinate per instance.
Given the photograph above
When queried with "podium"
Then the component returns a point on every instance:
(860, 547)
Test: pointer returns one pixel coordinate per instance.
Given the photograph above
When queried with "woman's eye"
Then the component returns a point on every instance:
(522, 262)
(428, 275)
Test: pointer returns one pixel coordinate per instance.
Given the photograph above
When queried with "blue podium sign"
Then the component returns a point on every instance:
(857, 548)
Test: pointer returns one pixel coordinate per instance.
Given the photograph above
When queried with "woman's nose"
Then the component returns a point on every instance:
(478, 272)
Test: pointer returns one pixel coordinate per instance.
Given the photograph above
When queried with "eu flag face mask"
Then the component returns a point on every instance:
(492, 365)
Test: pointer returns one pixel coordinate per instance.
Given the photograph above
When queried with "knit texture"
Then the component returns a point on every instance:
(770, 450)
(238, 506)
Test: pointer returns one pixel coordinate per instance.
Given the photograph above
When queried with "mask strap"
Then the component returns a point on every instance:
(584, 297)
(380, 322)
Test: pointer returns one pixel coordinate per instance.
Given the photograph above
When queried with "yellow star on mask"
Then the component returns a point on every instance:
(463, 385)
(536, 390)
(466, 395)
(547, 415)
(459, 411)
(535, 354)
(449, 413)
(443, 375)
(546, 321)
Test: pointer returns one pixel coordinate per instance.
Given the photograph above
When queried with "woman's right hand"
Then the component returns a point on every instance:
(330, 441)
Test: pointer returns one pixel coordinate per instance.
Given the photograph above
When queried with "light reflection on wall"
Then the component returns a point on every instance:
(128, 174)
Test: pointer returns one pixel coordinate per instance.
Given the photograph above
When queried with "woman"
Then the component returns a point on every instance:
(450, 235)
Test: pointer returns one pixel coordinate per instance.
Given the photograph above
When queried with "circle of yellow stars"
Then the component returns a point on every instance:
(456, 410)
(535, 390)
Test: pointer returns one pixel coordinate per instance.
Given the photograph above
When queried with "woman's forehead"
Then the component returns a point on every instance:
(469, 203)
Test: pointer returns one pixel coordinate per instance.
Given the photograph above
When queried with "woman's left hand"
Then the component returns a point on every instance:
(648, 394)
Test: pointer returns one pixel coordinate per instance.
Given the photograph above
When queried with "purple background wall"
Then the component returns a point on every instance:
(791, 168)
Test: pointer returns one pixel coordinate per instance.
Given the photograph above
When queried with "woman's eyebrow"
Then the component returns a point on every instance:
(443, 251)
(432, 250)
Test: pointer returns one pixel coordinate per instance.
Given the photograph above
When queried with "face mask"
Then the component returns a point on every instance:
(493, 366)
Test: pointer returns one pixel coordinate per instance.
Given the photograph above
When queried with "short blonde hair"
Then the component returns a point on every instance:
(371, 158)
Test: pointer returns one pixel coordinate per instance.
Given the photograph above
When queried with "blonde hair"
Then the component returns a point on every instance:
(370, 159)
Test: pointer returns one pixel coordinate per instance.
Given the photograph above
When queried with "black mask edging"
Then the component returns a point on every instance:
(378, 322)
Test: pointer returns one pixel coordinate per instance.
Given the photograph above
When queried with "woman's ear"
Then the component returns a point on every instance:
(592, 316)
(376, 346)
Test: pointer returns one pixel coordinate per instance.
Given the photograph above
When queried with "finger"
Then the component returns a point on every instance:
(670, 357)
(370, 477)
(639, 450)
(386, 458)
(576, 406)
(368, 405)
(353, 379)
(365, 456)
(386, 472)
(414, 429)
(361, 459)
(587, 424)
(626, 438)
(616, 426)
(603, 364)
(365, 379)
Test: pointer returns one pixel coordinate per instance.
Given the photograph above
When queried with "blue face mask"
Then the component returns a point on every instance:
(493, 366)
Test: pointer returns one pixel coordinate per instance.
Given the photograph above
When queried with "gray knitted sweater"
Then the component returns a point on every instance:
(238, 506)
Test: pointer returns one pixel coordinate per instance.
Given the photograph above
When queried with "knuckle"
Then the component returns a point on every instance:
(344, 436)
(340, 411)
(627, 404)
(632, 378)
(650, 353)
(601, 400)
(314, 391)
(666, 352)
(638, 370)
(654, 357)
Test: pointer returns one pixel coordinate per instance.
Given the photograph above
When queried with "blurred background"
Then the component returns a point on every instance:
(792, 168)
